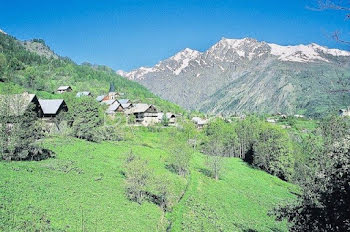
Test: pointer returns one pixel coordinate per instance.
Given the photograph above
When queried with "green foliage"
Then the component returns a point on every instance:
(137, 177)
(19, 132)
(88, 179)
(273, 152)
(85, 118)
(180, 156)
(323, 204)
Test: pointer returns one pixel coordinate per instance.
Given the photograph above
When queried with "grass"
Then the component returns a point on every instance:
(82, 189)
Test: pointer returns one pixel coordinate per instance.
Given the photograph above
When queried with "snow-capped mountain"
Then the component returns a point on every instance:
(196, 79)
(1, 31)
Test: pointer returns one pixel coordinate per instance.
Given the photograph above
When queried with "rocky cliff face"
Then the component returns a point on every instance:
(245, 75)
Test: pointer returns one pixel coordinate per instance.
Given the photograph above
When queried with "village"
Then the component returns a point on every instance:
(48, 110)
(139, 114)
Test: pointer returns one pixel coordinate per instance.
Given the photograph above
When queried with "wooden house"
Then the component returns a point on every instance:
(114, 108)
(144, 114)
(64, 89)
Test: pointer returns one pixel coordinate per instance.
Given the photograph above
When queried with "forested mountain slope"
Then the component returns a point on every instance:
(31, 66)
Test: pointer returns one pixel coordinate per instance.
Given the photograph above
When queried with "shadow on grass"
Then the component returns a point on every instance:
(206, 172)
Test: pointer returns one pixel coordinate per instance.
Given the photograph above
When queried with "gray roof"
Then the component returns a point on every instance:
(17, 103)
(50, 106)
(100, 98)
(127, 105)
(109, 102)
(138, 108)
(112, 108)
(65, 87)
(124, 101)
(84, 93)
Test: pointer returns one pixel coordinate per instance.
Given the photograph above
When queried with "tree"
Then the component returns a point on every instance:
(214, 149)
(179, 158)
(324, 202)
(20, 129)
(272, 152)
(85, 118)
(138, 177)
(165, 120)
(343, 6)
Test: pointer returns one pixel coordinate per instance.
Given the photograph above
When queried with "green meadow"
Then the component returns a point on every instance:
(83, 189)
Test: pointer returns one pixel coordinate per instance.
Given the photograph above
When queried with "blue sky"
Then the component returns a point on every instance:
(126, 34)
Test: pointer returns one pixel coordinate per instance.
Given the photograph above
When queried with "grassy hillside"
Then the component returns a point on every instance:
(21, 69)
(82, 189)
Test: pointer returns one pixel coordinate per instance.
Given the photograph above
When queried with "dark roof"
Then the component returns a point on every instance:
(111, 87)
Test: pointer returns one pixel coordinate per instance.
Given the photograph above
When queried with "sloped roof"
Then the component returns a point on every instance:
(100, 98)
(139, 108)
(17, 103)
(109, 102)
(84, 93)
(64, 87)
(112, 108)
(124, 101)
(50, 106)
(127, 105)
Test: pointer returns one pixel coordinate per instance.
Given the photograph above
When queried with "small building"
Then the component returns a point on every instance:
(84, 94)
(170, 116)
(199, 122)
(64, 89)
(144, 114)
(344, 112)
(114, 108)
(53, 107)
(271, 120)
(299, 116)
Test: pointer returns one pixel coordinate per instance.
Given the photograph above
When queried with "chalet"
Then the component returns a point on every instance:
(17, 104)
(114, 108)
(53, 107)
(344, 112)
(170, 116)
(84, 94)
(144, 114)
(200, 123)
(64, 89)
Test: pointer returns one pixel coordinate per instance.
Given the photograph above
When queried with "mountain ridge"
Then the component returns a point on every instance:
(197, 80)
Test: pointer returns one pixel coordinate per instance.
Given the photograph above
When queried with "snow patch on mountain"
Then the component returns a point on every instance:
(304, 53)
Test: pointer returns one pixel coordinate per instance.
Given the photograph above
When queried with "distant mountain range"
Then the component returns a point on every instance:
(245, 75)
